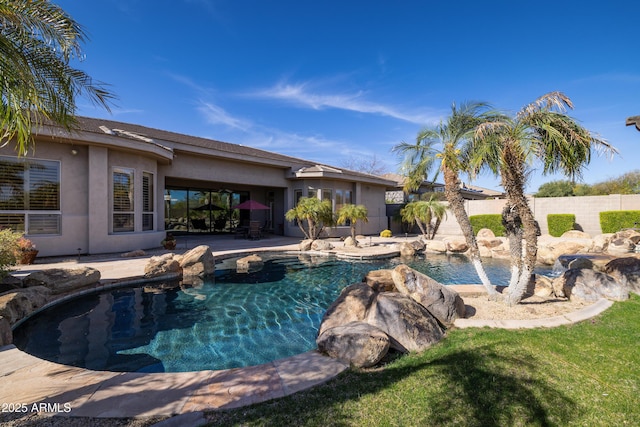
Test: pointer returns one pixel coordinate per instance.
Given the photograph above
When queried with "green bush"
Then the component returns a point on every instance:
(8, 250)
(491, 221)
(613, 221)
(386, 233)
(560, 223)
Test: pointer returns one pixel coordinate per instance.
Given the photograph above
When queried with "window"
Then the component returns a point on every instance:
(312, 193)
(147, 202)
(30, 195)
(123, 206)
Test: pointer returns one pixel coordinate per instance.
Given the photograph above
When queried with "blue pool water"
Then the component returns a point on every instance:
(232, 320)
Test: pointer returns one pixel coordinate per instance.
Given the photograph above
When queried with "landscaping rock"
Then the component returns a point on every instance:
(408, 324)
(63, 280)
(456, 244)
(321, 245)
(485, 233)
(620, 246)
(380, 280)
(249, 264)
(19, 304)
(6, 335)
(589, 285)
(575, 234)
(305, 245)
(199, 261)
(350, 242)
(133, 254)
(352, 305)
(406, 249)
(418, 245)
(626, 271)
(580, 262)
(543, 286)
(435, 246)
(601, 242)
(442, 302)
(357, 343)
(163, 265)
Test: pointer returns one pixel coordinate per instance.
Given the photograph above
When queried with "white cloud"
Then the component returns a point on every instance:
(218, 116)
(302, 94)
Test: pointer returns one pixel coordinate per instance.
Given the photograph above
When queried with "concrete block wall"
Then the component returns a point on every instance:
(586, 209)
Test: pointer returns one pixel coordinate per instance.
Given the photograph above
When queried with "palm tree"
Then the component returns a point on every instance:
(352, 213)
(539, 131)
(423, 213)
(37, 42)
(454, 135)
(315, 213)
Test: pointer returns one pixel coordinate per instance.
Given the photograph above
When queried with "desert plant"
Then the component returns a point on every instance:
(491, 221)
(612, 221)
(9, 250)
(351, 214)
(312, 213)
(558, 224)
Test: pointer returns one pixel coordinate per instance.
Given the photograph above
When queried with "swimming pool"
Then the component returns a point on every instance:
(233, 320)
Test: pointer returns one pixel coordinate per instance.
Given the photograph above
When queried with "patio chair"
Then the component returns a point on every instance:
(255, 231)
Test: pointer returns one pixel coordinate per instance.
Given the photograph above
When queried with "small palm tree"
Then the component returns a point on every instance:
(427, 215)
(352, 213)
(37, 42)
(313, 213)
(453, 136)
(539, 131)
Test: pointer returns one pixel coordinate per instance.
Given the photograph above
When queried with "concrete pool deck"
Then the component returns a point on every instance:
(69, 391)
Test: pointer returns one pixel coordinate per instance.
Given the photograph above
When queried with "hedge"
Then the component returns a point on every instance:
(560, 223)
(491, 221)
(613, 221)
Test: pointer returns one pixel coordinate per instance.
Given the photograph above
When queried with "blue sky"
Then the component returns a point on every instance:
(332, 80)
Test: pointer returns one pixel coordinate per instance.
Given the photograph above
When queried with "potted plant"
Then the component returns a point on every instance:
(27, 251)
(169, 242)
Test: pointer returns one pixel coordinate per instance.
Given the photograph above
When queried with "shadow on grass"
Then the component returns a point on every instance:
(476, 387)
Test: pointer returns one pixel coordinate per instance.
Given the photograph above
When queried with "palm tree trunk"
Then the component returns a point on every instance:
(456, 204)
(513, 228)
(514, 185)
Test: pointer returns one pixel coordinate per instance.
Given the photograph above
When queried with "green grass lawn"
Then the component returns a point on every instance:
(586, 374)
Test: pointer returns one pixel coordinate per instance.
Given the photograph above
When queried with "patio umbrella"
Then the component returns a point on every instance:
(251, 205)
(208, 207)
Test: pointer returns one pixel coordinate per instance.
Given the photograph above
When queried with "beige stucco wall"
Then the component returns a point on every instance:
(586, 209)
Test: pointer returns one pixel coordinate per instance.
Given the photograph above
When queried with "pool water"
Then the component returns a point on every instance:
(232, 320)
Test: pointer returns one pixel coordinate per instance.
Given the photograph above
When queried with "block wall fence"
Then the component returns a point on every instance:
(586, 209)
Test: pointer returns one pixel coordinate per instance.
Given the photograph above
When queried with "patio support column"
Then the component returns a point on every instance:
(98, 198)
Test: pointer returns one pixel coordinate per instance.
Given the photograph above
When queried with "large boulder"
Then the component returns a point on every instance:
(357, 343)
(575, 234)
(352, 305)
(380, 280)
(408, 324)
(620, 246)
(626, 271)
(305, 245)
(199, 261)
(601, 242)
(435, 246)
(17, 305)
(249, 264)
(162, 266)
(442, 302)
(6, 335)
(456, 244)
(406, 249)
(485, 233)
(589, 285)
(350, 242)
(321, 245)
(63, 280)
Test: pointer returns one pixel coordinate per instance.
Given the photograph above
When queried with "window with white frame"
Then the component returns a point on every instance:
(30, 195)
(123, 208)
(148, 211)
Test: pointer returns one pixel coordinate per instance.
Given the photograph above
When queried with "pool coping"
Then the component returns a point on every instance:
(28, 380)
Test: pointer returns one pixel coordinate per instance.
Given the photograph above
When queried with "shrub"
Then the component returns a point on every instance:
(491, 221)
(9, 250)
(613, 221)
(386, 233)
(560, 223)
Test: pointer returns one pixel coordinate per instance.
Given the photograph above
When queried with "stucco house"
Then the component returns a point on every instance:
(111, 187)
